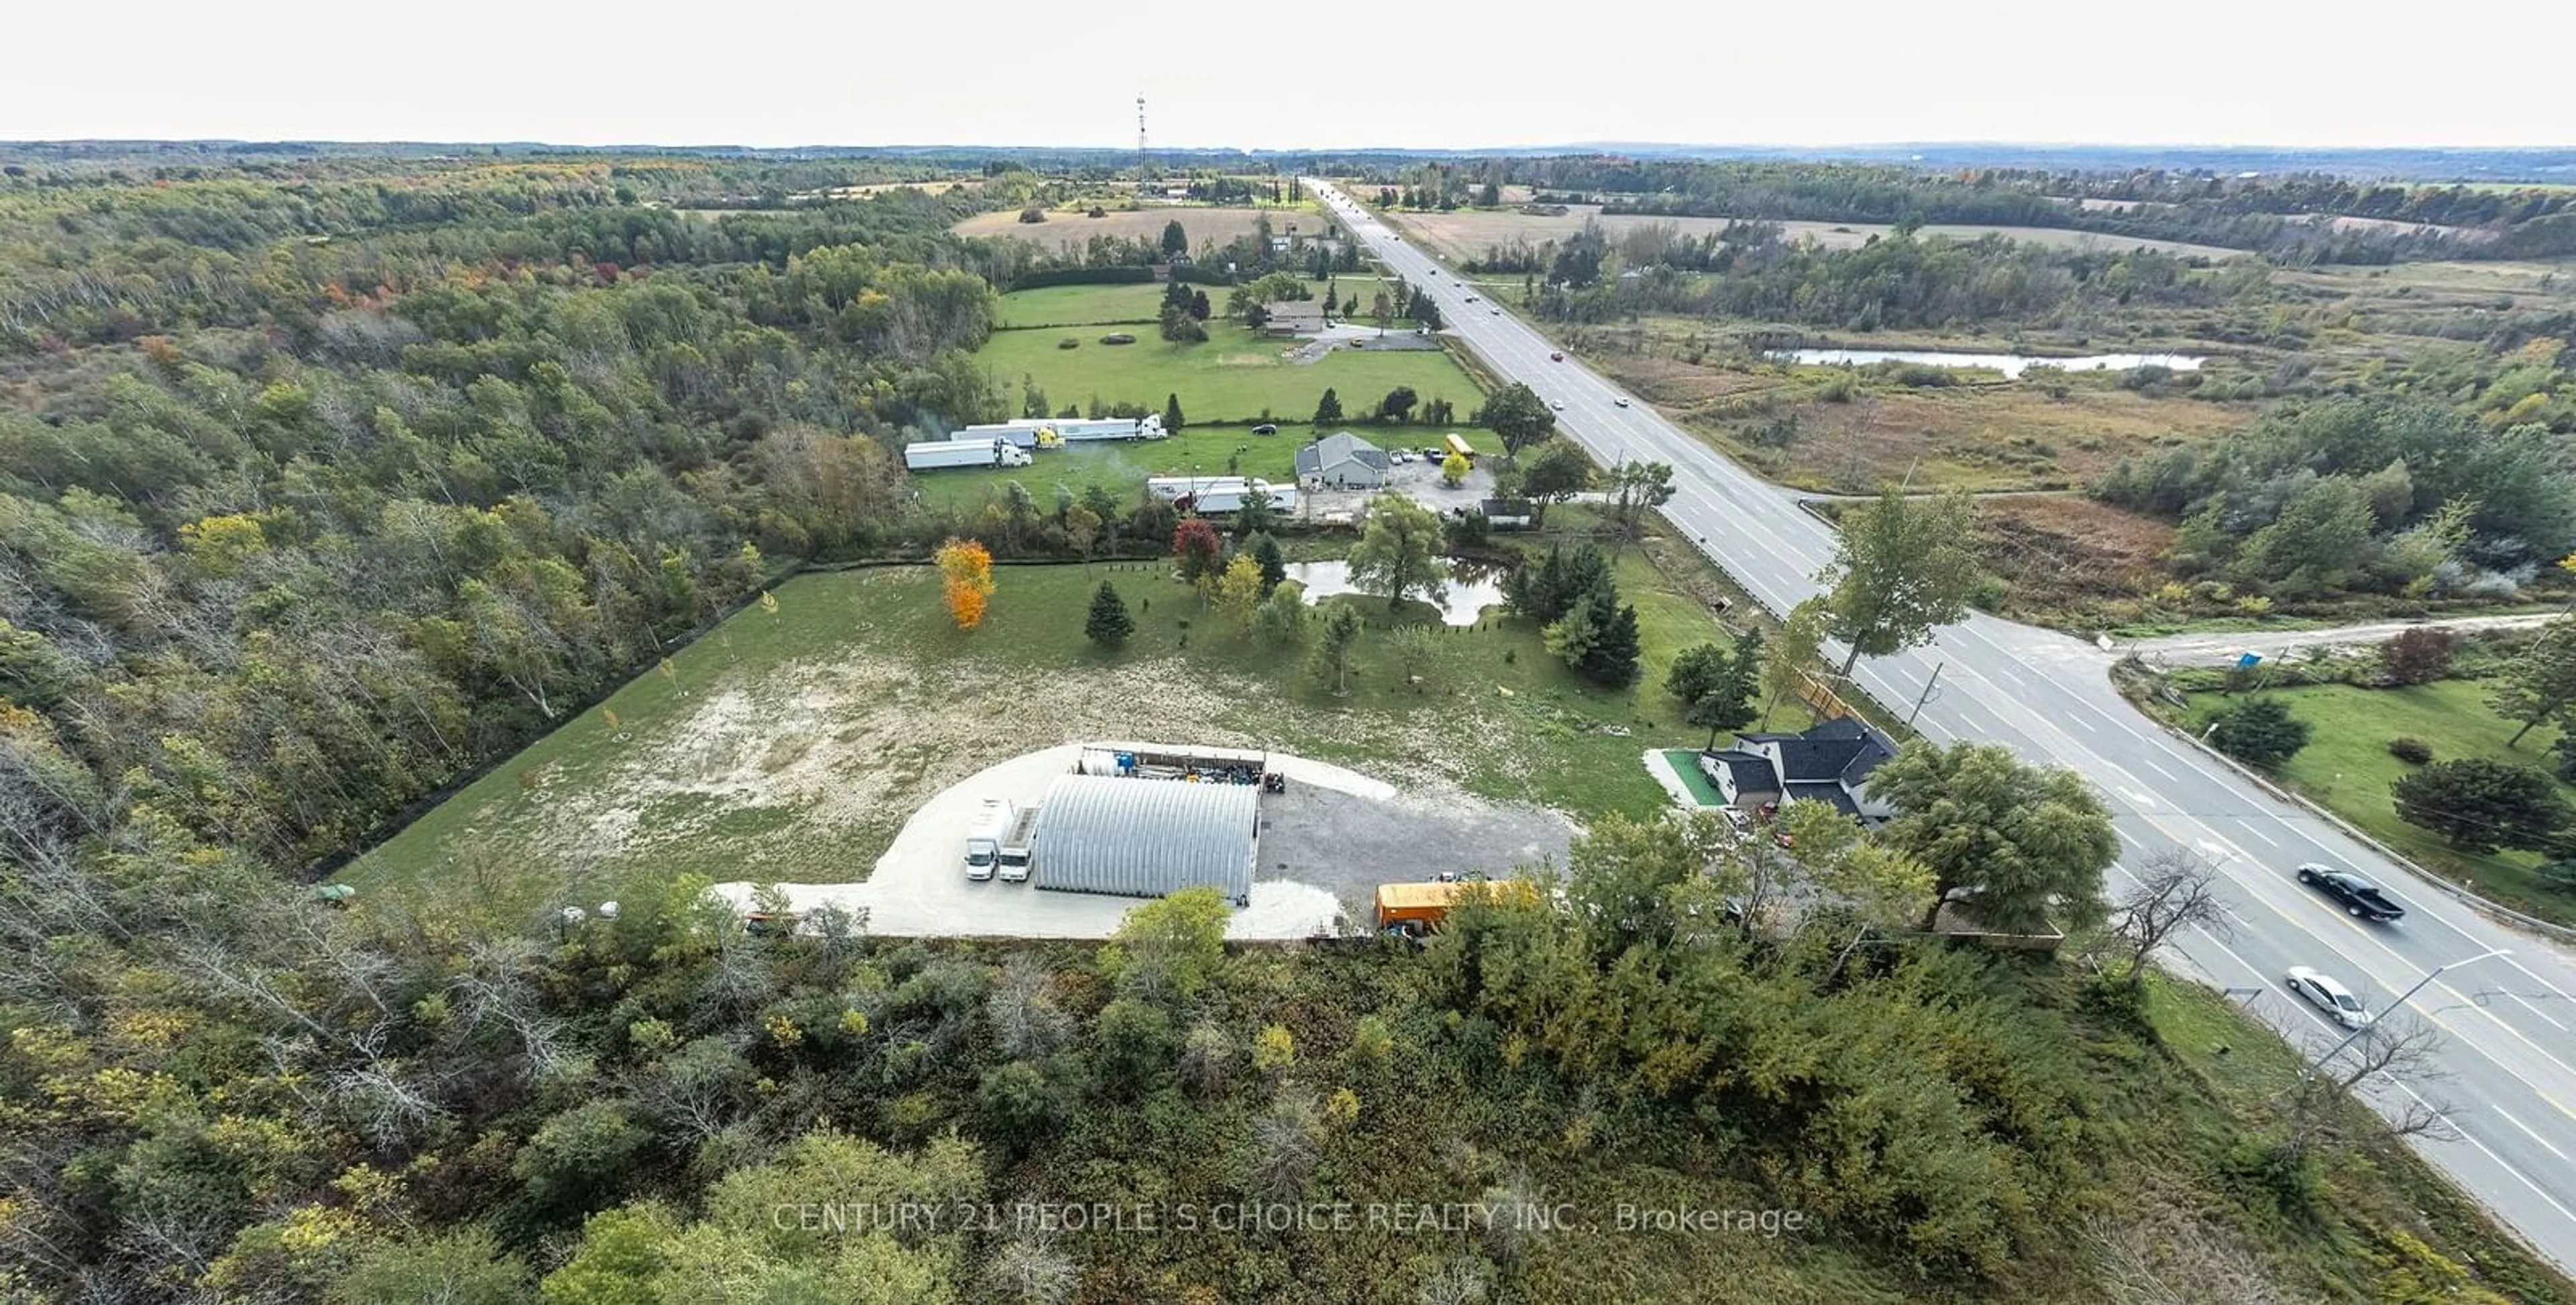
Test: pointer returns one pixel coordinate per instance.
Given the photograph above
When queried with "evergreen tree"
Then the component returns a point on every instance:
(1329, 409)
(1109, 624)
(1274, 566)
(1172, 413)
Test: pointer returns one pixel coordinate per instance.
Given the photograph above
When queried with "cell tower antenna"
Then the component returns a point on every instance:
(1140, 124)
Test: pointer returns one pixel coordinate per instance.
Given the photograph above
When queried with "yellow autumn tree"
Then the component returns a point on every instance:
(966, 574)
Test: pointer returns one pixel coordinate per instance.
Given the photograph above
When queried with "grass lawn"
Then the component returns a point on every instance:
(793, 745)
(1236, 376)
(1102, 305)
(2346, 766)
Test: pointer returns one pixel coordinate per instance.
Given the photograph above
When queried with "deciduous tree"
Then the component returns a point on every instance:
(1904, 566)
(1520, 417)
(2019, 841)
(2418, 655)
(1556, 472)
(966, 579)
(1335, 634)
(1399, 552)
(1195, 543)
(1239, 593)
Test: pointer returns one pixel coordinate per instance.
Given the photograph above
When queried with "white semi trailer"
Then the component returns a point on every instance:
(1206, 494)
(1042, 432)
(963, 453)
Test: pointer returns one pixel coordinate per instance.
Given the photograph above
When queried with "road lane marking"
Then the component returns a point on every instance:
(2257, 831)
(2169, 775)
(2498, 1112)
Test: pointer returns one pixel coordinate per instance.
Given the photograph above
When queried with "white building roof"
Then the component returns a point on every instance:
(1147, 837)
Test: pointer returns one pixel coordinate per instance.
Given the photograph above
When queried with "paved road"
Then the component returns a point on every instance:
(2510, 1054)
(2281, 645)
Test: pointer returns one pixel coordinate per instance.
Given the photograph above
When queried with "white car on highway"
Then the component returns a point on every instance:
(2328, 995)
(1622, 401)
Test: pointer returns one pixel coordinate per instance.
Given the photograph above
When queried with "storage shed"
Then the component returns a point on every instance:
(1147, 837)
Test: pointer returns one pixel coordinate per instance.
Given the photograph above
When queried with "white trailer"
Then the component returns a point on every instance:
(1148, 427)
(963, 453)
(1016, 434)
(1206, 494)
(984, 837)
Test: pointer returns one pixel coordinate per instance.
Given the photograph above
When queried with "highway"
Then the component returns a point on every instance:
(2509, 1023)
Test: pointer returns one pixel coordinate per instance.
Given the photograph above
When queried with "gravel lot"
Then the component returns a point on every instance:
(1349, 844)
(1326, 843)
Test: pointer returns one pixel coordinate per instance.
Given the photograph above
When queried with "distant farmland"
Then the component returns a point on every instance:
(1464, 235)
(1069, 226)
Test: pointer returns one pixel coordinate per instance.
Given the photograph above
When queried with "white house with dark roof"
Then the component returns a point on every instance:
(1830, 764)
(1342, 461)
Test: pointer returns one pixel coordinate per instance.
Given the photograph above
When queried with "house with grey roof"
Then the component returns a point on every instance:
(1830, 764)
(1293, 317)
(1342, 461)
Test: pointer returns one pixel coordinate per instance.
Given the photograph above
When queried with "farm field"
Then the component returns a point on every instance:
(1101, 305)
(2346, 766)
(1237, 375)
(1202, 222)
(793, 745)
(1466, 233)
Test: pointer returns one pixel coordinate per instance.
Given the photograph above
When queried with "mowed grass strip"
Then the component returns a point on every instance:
(1237, 375)
(2347, 767)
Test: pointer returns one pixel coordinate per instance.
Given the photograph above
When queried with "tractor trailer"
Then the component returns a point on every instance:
(963, 453)
(1047, 432)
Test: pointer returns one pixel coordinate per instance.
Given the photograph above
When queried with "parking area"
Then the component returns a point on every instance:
(1418, 480)
(1325, 845)
(1348, 844)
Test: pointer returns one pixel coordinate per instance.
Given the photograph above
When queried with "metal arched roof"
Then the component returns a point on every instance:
(1146, 837)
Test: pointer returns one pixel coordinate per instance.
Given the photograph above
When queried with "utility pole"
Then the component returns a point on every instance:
(1931, 689)
(2401, 1000)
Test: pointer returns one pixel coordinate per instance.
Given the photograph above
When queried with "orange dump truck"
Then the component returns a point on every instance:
(1418, 908)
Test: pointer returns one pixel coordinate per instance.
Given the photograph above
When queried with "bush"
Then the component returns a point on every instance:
(2260, 732)
(2412, 751)
(2418, 655)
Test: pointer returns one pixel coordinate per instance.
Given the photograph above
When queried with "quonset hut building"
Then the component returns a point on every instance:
(1146, 838)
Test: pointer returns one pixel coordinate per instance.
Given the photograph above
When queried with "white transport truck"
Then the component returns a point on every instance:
(963, 453)
(1017, 854)
(984, 838)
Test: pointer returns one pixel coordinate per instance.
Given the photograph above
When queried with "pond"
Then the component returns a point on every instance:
(1473, 586)
(2010, 364)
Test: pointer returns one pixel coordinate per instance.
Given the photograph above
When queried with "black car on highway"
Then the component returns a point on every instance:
(2358, 896)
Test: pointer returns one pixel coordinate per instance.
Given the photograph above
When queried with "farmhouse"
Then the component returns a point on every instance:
(1830, 763)
(1293, 317)
(1342, 461)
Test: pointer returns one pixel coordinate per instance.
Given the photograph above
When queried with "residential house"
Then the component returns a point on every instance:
(1341, 461)
(1293, 317)
(1830, 763)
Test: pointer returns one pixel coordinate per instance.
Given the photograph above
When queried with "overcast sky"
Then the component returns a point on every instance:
(1228, 73)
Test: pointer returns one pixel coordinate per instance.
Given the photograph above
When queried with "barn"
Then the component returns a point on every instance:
(1147, 837)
